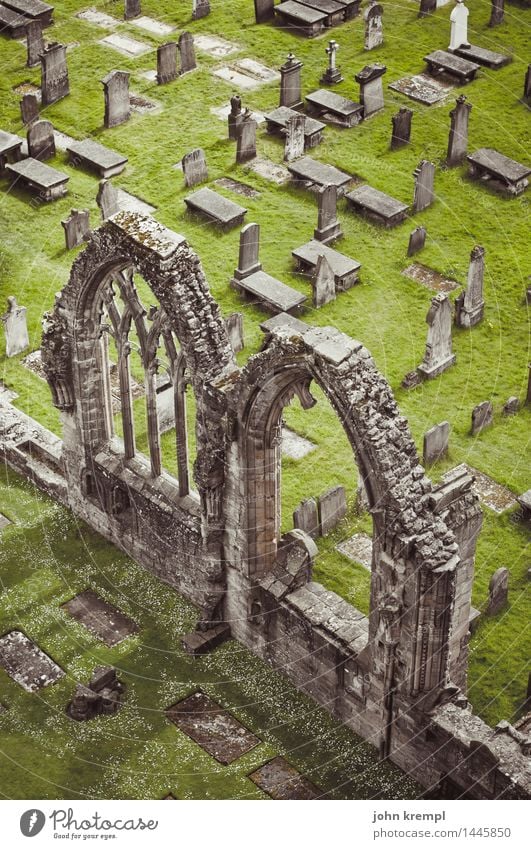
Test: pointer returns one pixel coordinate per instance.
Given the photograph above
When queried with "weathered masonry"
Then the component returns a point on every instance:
(398, 677)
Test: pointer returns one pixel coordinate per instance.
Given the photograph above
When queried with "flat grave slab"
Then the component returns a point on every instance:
(222, 112)
(125, 45)
(358, 548)
(488, 58)
(214, 46)
(506, 174)
(212, 728)
(96, 157)
(334, 10)
(309, 22)
(269, 170)
(280, 780)
(277, 123)
(130, 203)
(439, 61)
(294, 446)
(237, 187)
(270, 292)
(100, 19)
(345, 269)
(377, 205)
(422, 88)
(100, 618)
(4, 522)
(315, 173)
(489, 492)
(429, 278)
(152, 26)
(24, 661)
(150, 75)
(35, 10)
(216, 208)
(247, 74)
(10, 149)
(333, 107)
(283, 319)
(12, 23)
(39, 178)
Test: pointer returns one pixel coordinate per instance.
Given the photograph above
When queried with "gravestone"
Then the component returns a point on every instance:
(117, 102)
(187, 52)
(459, 26)
(511, 406)
(496, 12)
(132, 9)
(29, 109)
(15, 328)
(332, 75)
(264, 10)
(373, 25)
(498, 591)
(527, 84)
(438, 355)
(35, 43)
(328, 227)
(195, 167)
(246, 141)
(290, 83)
(458, 138)
(427, 7)
(41, 141)
(469, 305)
(306, 517)
(107, 199)
(200, 9)
(417, 241)
(54, 74)
(481, 417)
(294, 144)
(424, 176)
(528, 393)
(323, 283)
(332, 509)
(234, 328)
(235, 116)
(166, 62)
(436, 443)
(248, 260)
(370, 79)
(401, 127)
(76, 227)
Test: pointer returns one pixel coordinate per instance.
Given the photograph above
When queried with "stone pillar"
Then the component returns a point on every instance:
(469, 305)
(15, 328)
(235, 116)
(29, 109)
(186, 49)
(246, 142)
(264, 10)
(459, 26)
(107, 199)
(35, 43)
(438, 355)
(116, 93)
(194, 167)
(290, 83)
(373, 25)
(132, 9)
(200, 9)
(401, 127)
(496, 12)
(294, 144)
(166, 62)
(54, 74)
(332, 75)
(76, 227)
(424, 194)
(323, 283)
(41, 141)
(370, 79)
(458, 138)
(248, 261)
(328, 226)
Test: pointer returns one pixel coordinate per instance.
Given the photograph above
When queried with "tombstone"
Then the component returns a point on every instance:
(496, 12)
(469, 305)
(481, 417)
(107, 199)
(234, 328)
(459, 26)
(417, 241)
(235, 116)
(332, 75)
(41, 141)
(370, 79)
(373, 25)
(328, 227)
(15, 328)
(186, 49)
(401, 127)
(458, 137)
(323, 283)
(436, 443)
(294, 144)
(424, 176)
(498, 591)
(332, 509)
(511, 406)
(76, 227)
(264, 10)
(527, 84)
(306, 517)
(427, 7)
(248, 261)
(200, 9)
(132, 9)
(246, 142)
(290, 83)
(35, 43)
(528, 394)
(54, 74)
(116, 94)
(166, 62)
(438, 355)
(29, 109)
(194, 167)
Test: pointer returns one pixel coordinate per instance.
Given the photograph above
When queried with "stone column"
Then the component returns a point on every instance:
(35, 43)
(469, 305)
(458, 138)
(290, 83)
(54, 74)
(248, 261)
(116, 93)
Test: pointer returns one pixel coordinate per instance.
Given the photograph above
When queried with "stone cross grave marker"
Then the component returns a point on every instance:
(332, 75)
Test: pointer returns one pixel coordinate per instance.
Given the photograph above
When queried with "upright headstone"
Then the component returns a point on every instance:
(117, 102)
(200, 9)
(15, 328)
(527, 84)
(373, 25)
(459, 26)
(264, 10)
(438, 355)
(35, 42)
(417, 241)
(41, 141)
(107, 199)
(498, 591)
(235, 116)
(458, 137)
(482, 417)
(234, 328)
(294, 143)
(401, 127)
(132, 9)
(195, 167)
(427, 7)
(528, 393)
(290, 83)
(469, 305)
(436, 443)
(511, 406)
(76, 227)
(370, 79)
(166, 62)
(323, 283)
(186, 49)
(424, 194)
(246, 142)
(54, 73)
(248, 260)
(332, 509)
(332, 75)
(29, 109)
(496, 12)
(306, 517)
(328, 227)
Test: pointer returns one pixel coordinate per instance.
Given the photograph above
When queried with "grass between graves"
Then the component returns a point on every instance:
(386, 311)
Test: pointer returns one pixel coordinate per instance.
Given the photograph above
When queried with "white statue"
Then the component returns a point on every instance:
(459, 26)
